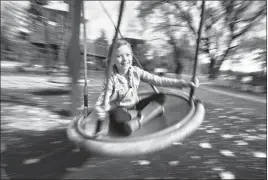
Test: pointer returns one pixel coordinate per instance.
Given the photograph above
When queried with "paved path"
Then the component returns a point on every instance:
(237, 95)
(230, 144)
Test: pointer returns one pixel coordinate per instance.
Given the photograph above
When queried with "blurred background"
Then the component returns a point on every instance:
(35, 86)
(233, 41)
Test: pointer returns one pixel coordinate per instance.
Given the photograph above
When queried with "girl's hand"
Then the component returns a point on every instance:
(101, 113)
(194, 84)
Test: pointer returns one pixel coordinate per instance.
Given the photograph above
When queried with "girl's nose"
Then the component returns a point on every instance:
(124, 57)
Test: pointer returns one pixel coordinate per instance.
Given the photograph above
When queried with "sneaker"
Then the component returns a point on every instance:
(162, 111)
(132, 125)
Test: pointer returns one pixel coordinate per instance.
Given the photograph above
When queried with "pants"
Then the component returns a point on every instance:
(118, 115)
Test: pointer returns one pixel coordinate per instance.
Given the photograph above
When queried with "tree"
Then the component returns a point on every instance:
(101, 46)
(74, 58)
(225, 23)
(163, 22)
(102, 40)
(257, 45)
(238, 19)
(253, 44)
(133, 27)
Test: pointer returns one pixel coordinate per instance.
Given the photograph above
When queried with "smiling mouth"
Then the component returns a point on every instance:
(124, 64)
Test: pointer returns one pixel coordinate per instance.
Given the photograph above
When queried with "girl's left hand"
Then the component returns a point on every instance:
(101, 113)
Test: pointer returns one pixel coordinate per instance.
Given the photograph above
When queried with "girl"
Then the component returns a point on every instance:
(126, 111)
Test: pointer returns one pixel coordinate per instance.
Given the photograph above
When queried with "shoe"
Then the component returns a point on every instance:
(132, 125)
(162, 111)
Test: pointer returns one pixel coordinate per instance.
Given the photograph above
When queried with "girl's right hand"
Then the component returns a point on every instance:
(101, 113)
(191, 84)
(195, 84)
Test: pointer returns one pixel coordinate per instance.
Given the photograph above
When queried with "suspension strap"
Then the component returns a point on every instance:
(111, 50)
(85, 63)
(109, 66)
(197, 48)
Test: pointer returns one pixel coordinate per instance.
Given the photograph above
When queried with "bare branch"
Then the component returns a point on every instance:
(251, 20)
(226, 51)
(244, 6)
(156, 39)
(146, 10)
(165, 27)
(206, 47)
(260, 13)
(186, 16)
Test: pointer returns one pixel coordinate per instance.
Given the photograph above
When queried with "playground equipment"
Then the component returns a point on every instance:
(183, 115)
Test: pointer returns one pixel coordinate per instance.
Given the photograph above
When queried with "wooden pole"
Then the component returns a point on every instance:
(74, 58)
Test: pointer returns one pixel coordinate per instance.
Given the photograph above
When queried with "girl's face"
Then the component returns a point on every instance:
(123, 59)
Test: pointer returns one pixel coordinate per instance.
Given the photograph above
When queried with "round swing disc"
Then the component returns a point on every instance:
(178, 121)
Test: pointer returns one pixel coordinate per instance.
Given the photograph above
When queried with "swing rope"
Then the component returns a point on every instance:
(109, 68)
(135, 58)
(109, 65)
(107, 13)
(192, 91)
(85, 62)
(111, 50)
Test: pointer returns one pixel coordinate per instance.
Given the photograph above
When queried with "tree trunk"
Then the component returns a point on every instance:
(179, 68)
(74, 57)
(212, 68)
(176, 56)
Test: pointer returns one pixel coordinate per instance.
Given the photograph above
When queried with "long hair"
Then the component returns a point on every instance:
(118, 44)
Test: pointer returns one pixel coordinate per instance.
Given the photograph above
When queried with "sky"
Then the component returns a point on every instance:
(99, 20)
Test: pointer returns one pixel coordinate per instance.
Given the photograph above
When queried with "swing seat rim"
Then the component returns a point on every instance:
(179, 94)
(131, 146)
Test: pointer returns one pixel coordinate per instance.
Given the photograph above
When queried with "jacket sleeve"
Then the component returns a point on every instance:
(159, 80)
(110, 88)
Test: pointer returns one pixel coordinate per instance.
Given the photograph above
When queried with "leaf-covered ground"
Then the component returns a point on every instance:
(230, 144)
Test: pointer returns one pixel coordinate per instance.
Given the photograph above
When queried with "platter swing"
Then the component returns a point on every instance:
(183, 115)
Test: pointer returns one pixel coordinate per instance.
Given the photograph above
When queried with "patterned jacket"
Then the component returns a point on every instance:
(120, 94)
